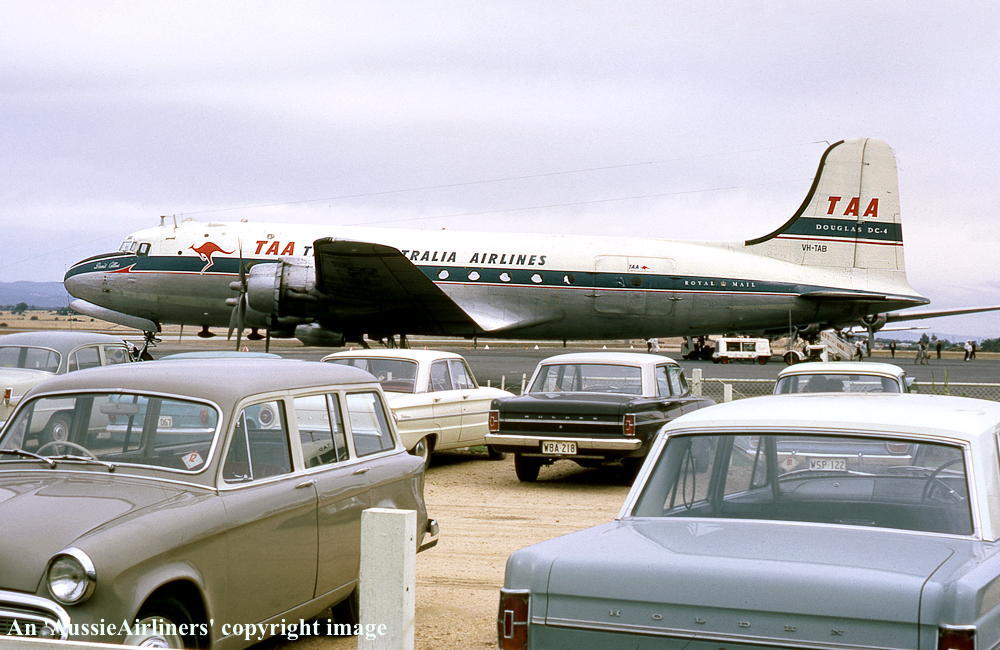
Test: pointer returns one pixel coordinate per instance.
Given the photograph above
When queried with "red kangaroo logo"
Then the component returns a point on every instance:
(206, 251)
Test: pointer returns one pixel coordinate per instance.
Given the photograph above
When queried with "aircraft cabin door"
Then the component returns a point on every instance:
(616, 290)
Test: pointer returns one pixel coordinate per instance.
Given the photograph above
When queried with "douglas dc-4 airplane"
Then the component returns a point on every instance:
(837, 262)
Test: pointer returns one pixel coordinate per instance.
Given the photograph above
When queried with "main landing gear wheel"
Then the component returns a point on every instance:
(526, 468)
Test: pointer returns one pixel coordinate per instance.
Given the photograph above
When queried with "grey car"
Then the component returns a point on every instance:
(29, 358)
(765, 548)
(190, 498)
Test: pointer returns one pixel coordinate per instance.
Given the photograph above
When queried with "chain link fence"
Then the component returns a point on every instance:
(716, 388)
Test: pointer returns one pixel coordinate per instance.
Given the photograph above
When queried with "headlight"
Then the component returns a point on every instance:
(71, 577)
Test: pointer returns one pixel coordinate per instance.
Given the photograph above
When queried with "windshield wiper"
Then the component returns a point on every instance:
(27, 454)
(87, 459)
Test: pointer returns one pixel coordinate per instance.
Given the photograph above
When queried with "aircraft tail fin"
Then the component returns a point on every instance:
(850, 219)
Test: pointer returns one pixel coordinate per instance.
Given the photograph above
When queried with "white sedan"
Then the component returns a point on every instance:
(434, 395)
(843, 377)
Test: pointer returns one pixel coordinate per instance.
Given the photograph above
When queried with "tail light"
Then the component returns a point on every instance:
(512, 619)
(7, 394)
(494, 421)
(957, 637)
(628, 424)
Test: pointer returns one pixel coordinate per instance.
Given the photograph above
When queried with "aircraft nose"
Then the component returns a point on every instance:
(80, 283)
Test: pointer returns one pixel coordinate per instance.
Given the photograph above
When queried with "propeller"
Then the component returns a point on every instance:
(237, 318)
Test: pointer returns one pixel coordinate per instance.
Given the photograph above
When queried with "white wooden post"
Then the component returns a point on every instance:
(696, 382)
(727, 392)
(388, 578)
(524, 380)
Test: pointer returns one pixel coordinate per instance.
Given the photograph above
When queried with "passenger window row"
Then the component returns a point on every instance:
(260, 444)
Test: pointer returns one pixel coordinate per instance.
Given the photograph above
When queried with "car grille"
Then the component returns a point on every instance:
(561, 424)
(30, 616)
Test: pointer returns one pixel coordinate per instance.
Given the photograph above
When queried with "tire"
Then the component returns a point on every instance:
(790, 358)
(423, 450)
(163, 614)
(57, 429)
(526, 468)
(632, 467)
(347, 611)
(493, 454)
(763, 360)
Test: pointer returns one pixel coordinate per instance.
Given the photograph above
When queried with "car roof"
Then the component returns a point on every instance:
(58, 339)
(223, 381)
(219, 354)
(630, 358)
(843, 368)
(959, 417)
(397, 353)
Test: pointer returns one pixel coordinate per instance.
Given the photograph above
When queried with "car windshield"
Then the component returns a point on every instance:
(836, 383)
(32, 358)
(846, 480)
(395, 375)
(588, 378)
(120, 428)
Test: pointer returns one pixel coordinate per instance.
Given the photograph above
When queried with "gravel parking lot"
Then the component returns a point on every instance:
(485, 514)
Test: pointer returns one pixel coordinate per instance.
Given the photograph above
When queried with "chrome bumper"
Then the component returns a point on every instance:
(430, 538)
(599, 444)
(32, 616)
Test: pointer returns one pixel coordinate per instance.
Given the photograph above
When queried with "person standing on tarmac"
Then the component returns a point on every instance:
(938, 348)
(892, 349)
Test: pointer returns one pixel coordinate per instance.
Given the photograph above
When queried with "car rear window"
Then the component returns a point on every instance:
(836, 383)
(395, 375)
(29, 357)
(847, 480)
(588, 378)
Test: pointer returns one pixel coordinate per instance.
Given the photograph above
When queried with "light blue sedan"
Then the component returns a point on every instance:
(769, 548)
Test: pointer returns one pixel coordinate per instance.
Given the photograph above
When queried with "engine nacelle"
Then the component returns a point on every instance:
(314, 334)
(874, 322)
(283, 288)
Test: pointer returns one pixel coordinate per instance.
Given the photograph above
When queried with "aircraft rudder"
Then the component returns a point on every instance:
(850, 218)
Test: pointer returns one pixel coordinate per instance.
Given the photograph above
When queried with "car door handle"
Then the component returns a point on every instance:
(465, 397)
(361, 470)
(305, 484)
(437, 399)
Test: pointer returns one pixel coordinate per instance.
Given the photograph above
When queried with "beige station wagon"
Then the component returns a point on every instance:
(190, 499)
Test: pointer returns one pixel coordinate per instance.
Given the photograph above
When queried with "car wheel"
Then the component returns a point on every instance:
(493, 454)
(158, 624)
(632, 467)
(347, 611)
(526, 468)
(790, 358)
(57, 429)
(423, 450)
(762, 361)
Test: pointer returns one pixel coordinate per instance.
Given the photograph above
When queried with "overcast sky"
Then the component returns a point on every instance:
(699, 121)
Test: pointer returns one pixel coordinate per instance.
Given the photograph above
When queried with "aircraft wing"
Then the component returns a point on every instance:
(376, 287)
(896, 316)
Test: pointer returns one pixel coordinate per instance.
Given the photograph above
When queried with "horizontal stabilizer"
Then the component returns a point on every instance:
(894, 317)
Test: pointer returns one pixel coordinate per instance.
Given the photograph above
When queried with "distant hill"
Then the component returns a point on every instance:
(47, 295)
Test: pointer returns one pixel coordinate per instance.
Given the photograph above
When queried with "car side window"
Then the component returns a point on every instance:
(440, 377)
(461, 378)
(321, 430)
(678, 384)
(114, 354)
(259, 447)
(84, 358)
(662, 382)
(370, 429)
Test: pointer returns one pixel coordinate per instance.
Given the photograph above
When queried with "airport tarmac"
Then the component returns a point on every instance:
(508, 363)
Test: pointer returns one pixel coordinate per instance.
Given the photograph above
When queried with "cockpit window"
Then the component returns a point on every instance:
(143, 249)
(127, 246)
